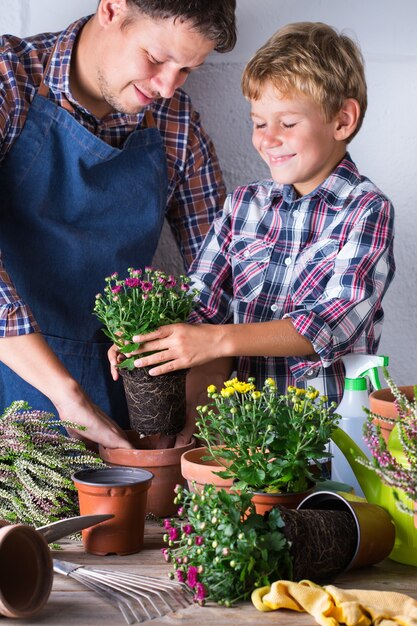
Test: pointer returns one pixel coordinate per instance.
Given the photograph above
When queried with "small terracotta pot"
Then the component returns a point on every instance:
(165, 465)
(118, 490)
(26, 570)
(199, 473)
(375, 528)
(264, 501)
(381, 402)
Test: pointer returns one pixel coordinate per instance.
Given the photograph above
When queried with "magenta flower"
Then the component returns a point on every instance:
(173, 534)
(180, 511)
(185, 288)
(116, 289)
(167, 523)
(199, 540)
(201, 592)
(188, 529)
(180, 576)
(192, 576)
(147, 286)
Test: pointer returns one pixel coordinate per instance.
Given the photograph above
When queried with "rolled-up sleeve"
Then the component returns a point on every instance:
(16, 317)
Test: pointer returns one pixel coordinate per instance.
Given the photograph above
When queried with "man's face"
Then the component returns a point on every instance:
(293, 138)
(146, 60)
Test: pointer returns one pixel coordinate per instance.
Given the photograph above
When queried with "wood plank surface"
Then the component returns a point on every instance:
(71, 604)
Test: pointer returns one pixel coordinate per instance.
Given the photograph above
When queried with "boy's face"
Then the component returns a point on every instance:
(293, 138)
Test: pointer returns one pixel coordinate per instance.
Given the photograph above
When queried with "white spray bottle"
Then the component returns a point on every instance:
(351, 409)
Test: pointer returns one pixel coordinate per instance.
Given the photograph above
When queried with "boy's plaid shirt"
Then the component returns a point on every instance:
(196, 190)
(325, 260)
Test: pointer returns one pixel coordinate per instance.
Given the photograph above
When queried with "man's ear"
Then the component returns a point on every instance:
(109, 11)
(347, 119)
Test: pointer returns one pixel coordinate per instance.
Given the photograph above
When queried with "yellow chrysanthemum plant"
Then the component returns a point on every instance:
(265, 440)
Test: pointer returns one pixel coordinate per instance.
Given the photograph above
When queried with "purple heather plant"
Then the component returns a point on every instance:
(221, 548)
(36, 463)
(397, 470)
(141, 303)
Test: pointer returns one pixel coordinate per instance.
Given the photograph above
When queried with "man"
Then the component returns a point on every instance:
(97, 145)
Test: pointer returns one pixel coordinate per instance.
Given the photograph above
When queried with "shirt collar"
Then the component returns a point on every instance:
(334, 190)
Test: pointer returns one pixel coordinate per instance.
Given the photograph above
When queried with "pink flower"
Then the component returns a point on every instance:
(165, 554)
(199, 540)
(116, 289)
(132, 282)
(180, 511)
(180, 576)
(147, 286)
(192, 576)
(185, 288)
(167, 523)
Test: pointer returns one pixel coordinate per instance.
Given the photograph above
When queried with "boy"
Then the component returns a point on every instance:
(292, 273)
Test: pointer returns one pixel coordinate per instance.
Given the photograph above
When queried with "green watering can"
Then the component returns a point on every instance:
(405, 547)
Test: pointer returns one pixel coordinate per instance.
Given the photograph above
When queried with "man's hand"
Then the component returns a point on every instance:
(79, 409)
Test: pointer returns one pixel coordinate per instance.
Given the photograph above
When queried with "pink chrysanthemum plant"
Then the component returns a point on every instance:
(141, 303)
(396, 462)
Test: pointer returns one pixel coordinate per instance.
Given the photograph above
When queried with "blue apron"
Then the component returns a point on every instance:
(73, 210)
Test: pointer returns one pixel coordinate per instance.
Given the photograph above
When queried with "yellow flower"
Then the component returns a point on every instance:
(211, 389)
(256, 395)
(271, 383)
(242, 387)
(227, 392)
(291, 389)
(300, 391)
(312, 395)
(230, 383)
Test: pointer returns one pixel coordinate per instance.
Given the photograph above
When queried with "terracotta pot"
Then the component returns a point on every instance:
(381, 402)
(118, 490)
(26, 571)
(199, 473)
(264, 501)
(156, 404)
(374, 526)
(165, 464)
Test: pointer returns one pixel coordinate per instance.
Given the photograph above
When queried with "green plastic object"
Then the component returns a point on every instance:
(405, 547)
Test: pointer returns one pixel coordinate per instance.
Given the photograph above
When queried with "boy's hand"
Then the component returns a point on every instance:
(180, 346)
(115, 358)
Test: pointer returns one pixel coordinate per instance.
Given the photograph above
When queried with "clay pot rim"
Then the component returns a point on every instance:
(120, 476)
(160, 456)
(385, 395)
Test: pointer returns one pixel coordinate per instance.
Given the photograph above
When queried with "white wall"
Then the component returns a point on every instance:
(384, 149)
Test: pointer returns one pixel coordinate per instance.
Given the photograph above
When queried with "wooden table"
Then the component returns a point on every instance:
(72, 604)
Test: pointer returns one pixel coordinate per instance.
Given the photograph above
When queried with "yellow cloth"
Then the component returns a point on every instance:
(331, 606)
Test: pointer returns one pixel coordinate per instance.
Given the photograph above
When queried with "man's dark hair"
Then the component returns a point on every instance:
(214, 19)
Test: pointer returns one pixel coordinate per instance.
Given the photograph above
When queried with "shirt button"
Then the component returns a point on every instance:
(246, 253)
(309, 374)
(288, 261)
(274, 307)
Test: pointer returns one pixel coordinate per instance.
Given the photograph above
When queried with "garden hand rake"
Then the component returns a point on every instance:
(139, 598)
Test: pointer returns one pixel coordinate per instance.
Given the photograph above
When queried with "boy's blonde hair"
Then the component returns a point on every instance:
(314, 59)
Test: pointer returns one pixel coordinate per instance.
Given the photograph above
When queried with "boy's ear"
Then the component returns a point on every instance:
(347, 119)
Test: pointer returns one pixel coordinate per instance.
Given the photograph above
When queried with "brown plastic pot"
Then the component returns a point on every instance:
(165, 465)
(26, 571)
(199, 472)
(375, 528)
(264, 501)
(381, 402)
(121, 491)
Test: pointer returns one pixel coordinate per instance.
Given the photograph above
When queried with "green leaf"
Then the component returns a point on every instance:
(129, 348)
(128, 364)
